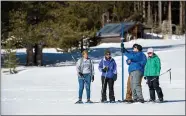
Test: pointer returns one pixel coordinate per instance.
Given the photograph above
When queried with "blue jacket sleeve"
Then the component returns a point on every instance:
(144, 60)
(100, 67)
(134, 57)
(128, 54)
(115, 67)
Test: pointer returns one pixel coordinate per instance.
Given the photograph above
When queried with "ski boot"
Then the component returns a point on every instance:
(112, 101)
(89, 101)
(79, 102)
(160, 100)
(134, 100)
(129, 101)
(141, 100)
(151, 100)
(103, 100)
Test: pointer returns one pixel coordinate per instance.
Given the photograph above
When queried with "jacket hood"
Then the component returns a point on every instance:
(154, 55)
(105, 58)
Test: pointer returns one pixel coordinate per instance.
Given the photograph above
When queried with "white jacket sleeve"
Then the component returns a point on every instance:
(78, 67)
(92, 64)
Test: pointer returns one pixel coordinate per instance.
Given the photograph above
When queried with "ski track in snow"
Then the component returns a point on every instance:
(54, 90)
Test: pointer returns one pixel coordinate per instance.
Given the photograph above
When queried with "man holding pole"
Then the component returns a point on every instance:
(136, 61)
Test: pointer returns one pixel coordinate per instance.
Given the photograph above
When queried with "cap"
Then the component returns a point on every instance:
(107, 51)
(150, 50)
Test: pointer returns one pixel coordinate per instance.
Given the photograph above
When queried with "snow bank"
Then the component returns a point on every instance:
(175, 40)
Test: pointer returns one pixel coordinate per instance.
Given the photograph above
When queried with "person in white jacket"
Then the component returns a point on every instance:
(85, 70)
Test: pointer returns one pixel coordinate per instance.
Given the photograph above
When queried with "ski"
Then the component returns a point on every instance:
(119, 102)
(79, 102)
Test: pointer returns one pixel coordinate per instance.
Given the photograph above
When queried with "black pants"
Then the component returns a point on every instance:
(153, 83)
(110, 83)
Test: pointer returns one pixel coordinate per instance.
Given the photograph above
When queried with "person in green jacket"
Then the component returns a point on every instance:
(152, 73)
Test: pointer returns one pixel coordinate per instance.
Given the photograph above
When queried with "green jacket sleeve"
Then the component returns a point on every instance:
(158, 65)
(145, 71)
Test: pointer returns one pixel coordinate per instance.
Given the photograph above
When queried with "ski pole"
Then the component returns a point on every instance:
(103, 83)
(122, 57)
(169, 70)
(165, 72)
(170, 75)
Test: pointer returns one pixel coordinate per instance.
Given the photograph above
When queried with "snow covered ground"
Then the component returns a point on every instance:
(175, 40)
(54, 90)
(53, 58)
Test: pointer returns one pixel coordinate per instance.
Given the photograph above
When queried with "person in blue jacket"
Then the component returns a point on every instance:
(108, 68)
(136, 60)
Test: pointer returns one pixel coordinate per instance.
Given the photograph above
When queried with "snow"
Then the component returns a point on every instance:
(175, 40)
(54, 90)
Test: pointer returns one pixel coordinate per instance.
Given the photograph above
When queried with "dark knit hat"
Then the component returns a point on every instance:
(107, 51)
(135, 45)
(139, 47)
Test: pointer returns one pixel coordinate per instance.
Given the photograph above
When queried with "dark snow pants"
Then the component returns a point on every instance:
(153, 83)
(110, 83)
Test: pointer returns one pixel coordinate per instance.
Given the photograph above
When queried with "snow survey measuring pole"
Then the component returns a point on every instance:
(122, 56)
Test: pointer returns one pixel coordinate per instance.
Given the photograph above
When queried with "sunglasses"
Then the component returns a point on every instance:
(108, 54)
(149, 53)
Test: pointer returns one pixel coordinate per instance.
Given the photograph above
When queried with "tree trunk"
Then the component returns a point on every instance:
(144, 13)
(159, 13)
(138, 4)
(149, 11)
(103, 20)
(184, 18)
(170, 18)
(38, 55)
(82, 45)
(164, 10)
(30, 56)
(135, 6)
(155, 16)
(181, 16)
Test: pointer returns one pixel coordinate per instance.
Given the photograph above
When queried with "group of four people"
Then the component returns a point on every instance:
(138, 67)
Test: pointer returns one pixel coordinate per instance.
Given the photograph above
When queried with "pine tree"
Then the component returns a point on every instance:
(10, 60)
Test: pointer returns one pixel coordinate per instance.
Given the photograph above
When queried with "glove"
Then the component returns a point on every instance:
(128, 61)
(122, 45)
(124, 50)
(105, 69)
(115, 77)
(145, 78)
(92, 78)
(80, 74)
